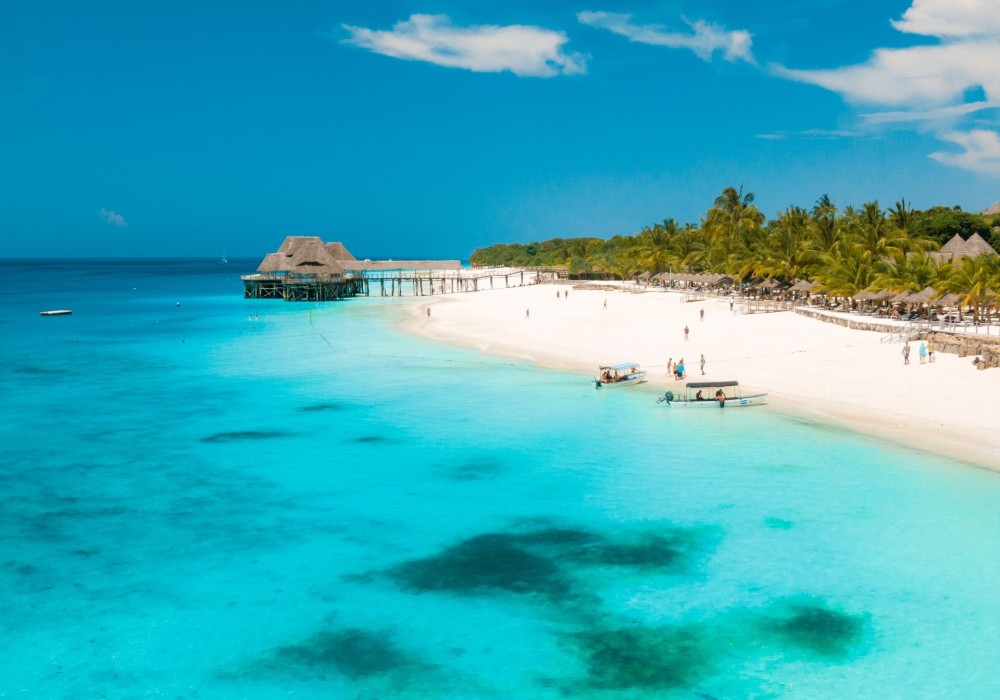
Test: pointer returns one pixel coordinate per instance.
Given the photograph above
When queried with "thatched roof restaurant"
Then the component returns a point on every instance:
(304, 268)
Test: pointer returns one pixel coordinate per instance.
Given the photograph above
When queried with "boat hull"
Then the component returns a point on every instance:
(57, 312)
(628, 380)
(735, 402)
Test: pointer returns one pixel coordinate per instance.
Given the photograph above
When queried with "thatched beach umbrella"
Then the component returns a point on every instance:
(924, 296)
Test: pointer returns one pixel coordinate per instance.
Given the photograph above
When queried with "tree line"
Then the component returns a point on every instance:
(845, 251)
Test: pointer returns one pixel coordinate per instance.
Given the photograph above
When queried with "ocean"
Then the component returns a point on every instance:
(206, 497)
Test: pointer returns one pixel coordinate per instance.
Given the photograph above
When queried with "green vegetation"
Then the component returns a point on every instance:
(845, 250)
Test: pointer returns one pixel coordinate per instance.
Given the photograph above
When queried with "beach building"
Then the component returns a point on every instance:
(304, 268)
(957, 248)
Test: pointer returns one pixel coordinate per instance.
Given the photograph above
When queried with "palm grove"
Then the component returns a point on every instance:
(845, 251)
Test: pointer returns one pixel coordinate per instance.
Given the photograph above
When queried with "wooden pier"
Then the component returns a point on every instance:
(322, 287)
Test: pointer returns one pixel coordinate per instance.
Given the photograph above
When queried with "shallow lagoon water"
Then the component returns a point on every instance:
(310, 504)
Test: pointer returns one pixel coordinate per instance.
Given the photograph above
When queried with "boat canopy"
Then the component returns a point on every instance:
(620, 366)
(709, 385)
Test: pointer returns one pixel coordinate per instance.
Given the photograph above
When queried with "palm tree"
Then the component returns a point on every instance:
(826, 225)
(913, 273)
(976, 280)
(845, 271)
(786, 252)
(732, 216)
(873, 237)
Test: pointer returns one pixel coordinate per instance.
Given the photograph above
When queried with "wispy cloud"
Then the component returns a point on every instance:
(928, 87)
(930, 116)
(980, 151)
(810, 134)
(704, 38)
(113, 218)
(521, 49)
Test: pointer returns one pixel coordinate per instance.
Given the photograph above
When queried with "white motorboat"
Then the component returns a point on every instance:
(621, 374)
(711, 394)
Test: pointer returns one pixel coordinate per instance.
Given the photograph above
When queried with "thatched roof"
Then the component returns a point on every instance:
(954, 245)
(271, 262)
(769, 283)
(339, 252)
(301, 255)
(976, 246)
(692, 278)
(383, 265)
(802, 286)
(901, 298)
(994, 209)
(950, 299)
(956, 248)
(924, 296)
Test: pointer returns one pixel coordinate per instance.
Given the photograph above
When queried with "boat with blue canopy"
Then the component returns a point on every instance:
(621, 374)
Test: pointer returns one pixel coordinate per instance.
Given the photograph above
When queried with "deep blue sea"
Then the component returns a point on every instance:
(205, 497)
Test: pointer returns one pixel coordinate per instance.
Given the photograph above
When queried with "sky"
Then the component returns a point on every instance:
(430, 128)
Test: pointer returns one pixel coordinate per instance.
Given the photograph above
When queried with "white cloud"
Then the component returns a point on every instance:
(920, 76)
(809, 134)
(951, 18)
(113, 218)
(523, 50)
(981, 151)
(704, 40)
(941, 114)
(928, 87)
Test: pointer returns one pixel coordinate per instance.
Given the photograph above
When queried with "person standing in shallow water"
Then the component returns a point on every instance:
(906, 353)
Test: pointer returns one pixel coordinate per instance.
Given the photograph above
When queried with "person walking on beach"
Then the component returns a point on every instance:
(428, 312)
(930, 351)
(686, 331)
(557, 294)
(906, 353)
(670, 366)
(922, 352)
(703, 363)
(605, 304)
(701, 313)
(527, 313)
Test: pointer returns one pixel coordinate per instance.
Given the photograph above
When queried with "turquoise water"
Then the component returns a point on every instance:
(306, 503)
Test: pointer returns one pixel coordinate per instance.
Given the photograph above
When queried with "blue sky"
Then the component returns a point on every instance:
(432, 128)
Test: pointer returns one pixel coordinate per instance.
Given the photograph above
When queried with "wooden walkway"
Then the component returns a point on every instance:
(382, 283)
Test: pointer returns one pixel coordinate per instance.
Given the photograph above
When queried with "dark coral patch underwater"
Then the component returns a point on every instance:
(481, 564)
(546, 562)
(642, 658)
(322, 407)
(241, 435)
(815, 628)
(353, 653)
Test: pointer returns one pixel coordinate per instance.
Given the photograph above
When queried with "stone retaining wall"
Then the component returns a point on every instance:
(986, 349)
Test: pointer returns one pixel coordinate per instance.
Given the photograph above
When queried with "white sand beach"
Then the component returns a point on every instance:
(812, 369)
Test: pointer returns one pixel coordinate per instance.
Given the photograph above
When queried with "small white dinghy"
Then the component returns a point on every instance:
(57, 312)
